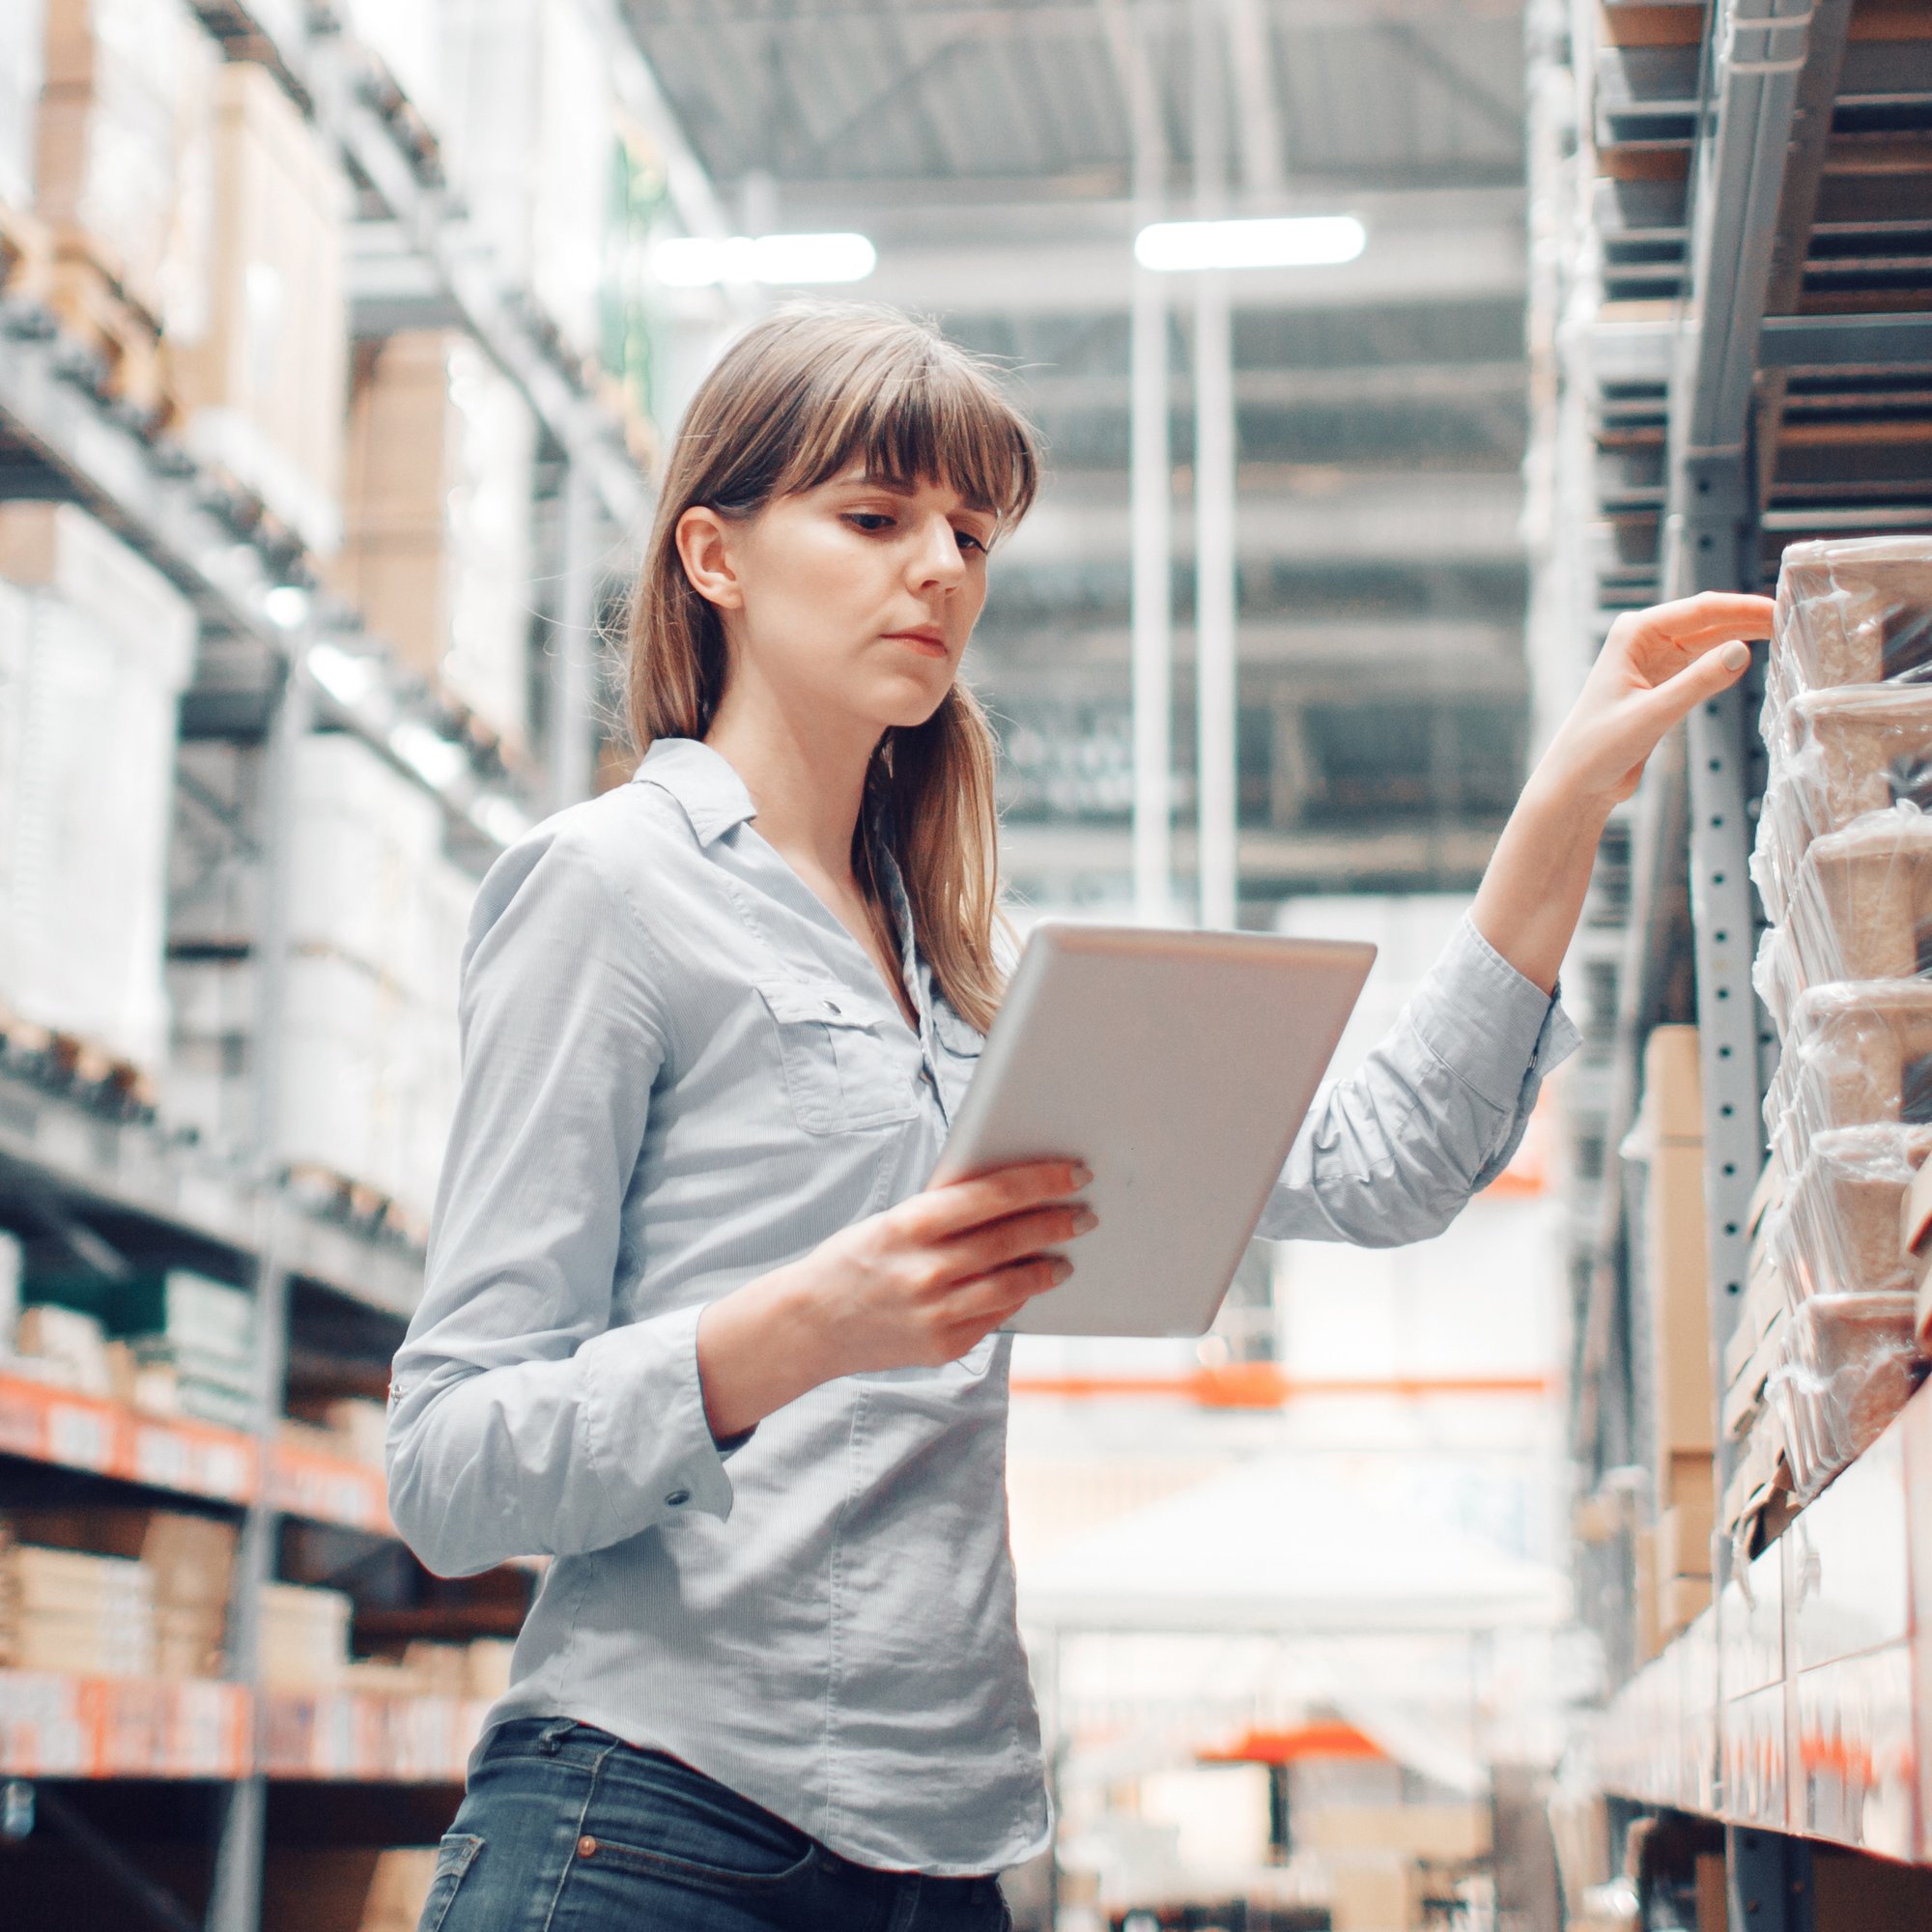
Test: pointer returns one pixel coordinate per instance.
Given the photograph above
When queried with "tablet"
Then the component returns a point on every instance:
(1179, 1066)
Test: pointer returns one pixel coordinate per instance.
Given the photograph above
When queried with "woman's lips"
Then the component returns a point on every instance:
(918, 640)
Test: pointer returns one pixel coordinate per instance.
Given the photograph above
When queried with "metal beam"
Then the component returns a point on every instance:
(1214, 456)
(1846, 341)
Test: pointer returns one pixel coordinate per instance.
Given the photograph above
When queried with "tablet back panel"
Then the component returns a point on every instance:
(1179, 1066)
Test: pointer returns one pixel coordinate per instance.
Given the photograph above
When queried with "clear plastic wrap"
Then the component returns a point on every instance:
(1837, 755)
(1860, 907)
(1837, 1231)
(1854, 611)
(1849, 1366)
(1855, 1055)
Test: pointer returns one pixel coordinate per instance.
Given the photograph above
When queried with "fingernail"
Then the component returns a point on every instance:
(1084, 1218)
(1060, 1270)
(1082, 1174)
(1736, 656)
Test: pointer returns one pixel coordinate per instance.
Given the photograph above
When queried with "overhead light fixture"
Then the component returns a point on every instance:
(783, 261)
(1286, 242)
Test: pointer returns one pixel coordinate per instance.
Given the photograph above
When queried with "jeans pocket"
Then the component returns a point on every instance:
(682, 1827)
(454, 1857)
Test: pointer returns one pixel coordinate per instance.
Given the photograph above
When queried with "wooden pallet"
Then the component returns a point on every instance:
(88, 298)
(359, 1204)
(103, 1080)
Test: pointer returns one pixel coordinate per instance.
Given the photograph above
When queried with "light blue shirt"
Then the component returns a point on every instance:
(680, 1071)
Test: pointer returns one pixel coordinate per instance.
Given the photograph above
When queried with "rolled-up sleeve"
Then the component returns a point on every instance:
(1393, 1154)
(521, 1421)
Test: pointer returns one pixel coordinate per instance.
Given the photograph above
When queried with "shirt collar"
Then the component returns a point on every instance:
(703, 781)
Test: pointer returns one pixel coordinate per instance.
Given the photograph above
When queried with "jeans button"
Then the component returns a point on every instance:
(586, 1848)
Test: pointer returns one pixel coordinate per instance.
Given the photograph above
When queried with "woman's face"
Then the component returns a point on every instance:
(853, 598)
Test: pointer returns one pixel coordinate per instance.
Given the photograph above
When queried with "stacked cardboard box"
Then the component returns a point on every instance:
(1676, 1276)
(304, 1637)
(189, 1562)
(95, 647)
(377, 920)
(1845, 869)
(122, 165)
(89, 1616)
(441, 447)
(528, 124)
(200, 1336)
(261, 387)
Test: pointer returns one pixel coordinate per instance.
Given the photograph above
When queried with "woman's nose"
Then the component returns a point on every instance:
(938, 560)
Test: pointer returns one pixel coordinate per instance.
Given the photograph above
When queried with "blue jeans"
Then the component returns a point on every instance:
(565, 1828)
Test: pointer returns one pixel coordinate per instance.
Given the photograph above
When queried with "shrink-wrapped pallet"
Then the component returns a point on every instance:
(1857, 1054)
(1837, 1230)
(1860, 907)
(1854, 611)
(441, 474)
(1850, 1364)
(261, 389)
(528, 127)
(22, 52)
(93, 657)
(122, 150)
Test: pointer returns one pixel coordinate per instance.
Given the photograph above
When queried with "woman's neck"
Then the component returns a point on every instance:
(808, 783)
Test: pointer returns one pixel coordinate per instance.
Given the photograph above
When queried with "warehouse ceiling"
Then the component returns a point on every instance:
(985, 146)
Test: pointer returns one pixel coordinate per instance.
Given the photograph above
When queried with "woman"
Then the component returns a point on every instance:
(690, 1325)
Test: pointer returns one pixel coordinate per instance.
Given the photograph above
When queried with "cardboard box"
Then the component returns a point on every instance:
(1446, 1833)
(263, 388)
(346, 1888)
(1684, 1539)
(1674, 1086)
(1681, 1602)
(1677, 1273)
(1648, 1634)
(189, 1559)
(1376, 1897)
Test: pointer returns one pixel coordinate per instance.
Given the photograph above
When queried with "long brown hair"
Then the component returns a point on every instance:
(793, 402)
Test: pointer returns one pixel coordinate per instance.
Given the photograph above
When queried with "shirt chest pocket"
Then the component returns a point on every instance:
(960, 1048)
(840, 1068)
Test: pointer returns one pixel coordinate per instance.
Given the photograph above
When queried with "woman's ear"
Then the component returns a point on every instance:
(704, 547)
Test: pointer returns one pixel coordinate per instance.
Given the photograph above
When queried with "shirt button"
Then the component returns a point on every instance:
(678, 1498)
(586, 1848)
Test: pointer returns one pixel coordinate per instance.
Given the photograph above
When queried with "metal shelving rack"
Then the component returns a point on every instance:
(1735, 333)
(278, 657)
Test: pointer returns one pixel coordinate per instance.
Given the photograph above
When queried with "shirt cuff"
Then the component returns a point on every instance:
(648, 1440)
(1487, 1023)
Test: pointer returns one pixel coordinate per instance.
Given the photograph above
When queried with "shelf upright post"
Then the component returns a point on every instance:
(1215, 458)
(1150, 489)
(234, 1899)
(1709, 544)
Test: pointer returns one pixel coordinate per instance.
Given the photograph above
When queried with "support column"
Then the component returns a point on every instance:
(1213, 496)
(1151, 486)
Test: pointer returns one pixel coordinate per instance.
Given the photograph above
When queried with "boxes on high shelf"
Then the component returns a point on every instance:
(22, 57)
(122, 161)
(189, 1560)
(202, 1333)
(93, 659)
(1676, 1267)
(261, 389)
(91, 1616)
(436, 555)
(303, 1636)
(529, 131)
(70, 1346)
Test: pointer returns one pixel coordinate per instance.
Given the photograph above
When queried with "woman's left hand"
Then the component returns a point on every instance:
(1656, 667)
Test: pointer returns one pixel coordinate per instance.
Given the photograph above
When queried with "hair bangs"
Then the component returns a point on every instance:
(926, 414)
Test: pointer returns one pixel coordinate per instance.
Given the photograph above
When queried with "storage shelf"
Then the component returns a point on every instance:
(164, 503)
(132, 1166)
(1801, 1701)
(53, 1725)
(70, 1430)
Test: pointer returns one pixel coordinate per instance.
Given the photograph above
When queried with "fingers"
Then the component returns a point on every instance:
(985, 1249)
(1696, 623)
(941, 1212)
(1703, 678)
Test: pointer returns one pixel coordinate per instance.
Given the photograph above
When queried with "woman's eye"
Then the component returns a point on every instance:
(869, 521)
(968, 541)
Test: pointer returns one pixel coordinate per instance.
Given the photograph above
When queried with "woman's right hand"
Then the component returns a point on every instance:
(916, 1286)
